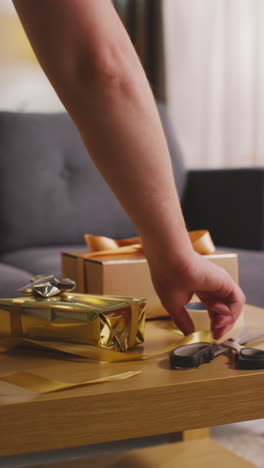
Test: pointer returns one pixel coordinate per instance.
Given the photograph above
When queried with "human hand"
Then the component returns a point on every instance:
(176, 282)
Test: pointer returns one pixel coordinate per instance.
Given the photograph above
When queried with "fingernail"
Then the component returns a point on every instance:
(222, 322)
(219, 332)
(187, 330)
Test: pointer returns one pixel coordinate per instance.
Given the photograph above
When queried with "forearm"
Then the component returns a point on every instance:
(88, 58)
(108, 96)
(123, 133)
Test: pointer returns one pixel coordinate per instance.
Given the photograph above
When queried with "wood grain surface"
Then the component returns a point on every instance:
(157, 401)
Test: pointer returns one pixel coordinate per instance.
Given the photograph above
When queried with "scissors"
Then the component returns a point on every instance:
(195, 354)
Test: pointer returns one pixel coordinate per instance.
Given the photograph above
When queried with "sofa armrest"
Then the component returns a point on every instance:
(229, 203)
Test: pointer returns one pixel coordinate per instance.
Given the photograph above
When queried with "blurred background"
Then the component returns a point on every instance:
(203, 58)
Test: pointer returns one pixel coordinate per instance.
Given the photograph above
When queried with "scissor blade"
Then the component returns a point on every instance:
(220, 349)
(239, 335)
(252, 338)
(242, 334)
(223, 348)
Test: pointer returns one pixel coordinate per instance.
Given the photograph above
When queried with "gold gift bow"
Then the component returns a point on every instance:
(40, 384)
(100, 246)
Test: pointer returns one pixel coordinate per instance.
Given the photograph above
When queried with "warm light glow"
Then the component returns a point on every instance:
(14, 45)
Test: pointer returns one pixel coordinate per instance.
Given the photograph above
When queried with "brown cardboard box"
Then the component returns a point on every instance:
(125, 275)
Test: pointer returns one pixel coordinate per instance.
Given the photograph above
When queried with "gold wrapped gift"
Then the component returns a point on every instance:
(50, 311)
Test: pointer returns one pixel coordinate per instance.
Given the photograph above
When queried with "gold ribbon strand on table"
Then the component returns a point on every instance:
(36, 383)
(101, 245)
(96, 353)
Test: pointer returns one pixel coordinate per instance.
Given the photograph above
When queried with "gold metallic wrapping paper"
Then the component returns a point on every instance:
(115, 323)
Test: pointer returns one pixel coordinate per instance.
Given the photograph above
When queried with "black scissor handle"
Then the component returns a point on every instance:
(250, 358)
(192, 355)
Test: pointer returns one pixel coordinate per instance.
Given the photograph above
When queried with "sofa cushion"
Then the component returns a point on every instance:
(12, 278)
(50, 191)
(40, 260)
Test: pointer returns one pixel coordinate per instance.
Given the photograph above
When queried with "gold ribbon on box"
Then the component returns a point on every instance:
(100, 245)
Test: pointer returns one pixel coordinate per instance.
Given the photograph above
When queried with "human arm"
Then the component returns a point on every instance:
(88, 58)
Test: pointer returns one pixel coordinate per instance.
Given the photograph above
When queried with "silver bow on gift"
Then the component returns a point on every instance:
(48, 286)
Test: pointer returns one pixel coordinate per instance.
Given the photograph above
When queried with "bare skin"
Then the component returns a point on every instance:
(87, 55)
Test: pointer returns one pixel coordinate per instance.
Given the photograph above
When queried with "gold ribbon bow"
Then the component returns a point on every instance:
(101, 245)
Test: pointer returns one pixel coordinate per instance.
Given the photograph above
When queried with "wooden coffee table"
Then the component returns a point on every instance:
(157, 401)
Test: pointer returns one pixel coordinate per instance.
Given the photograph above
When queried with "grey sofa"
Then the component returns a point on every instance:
(51, 194)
